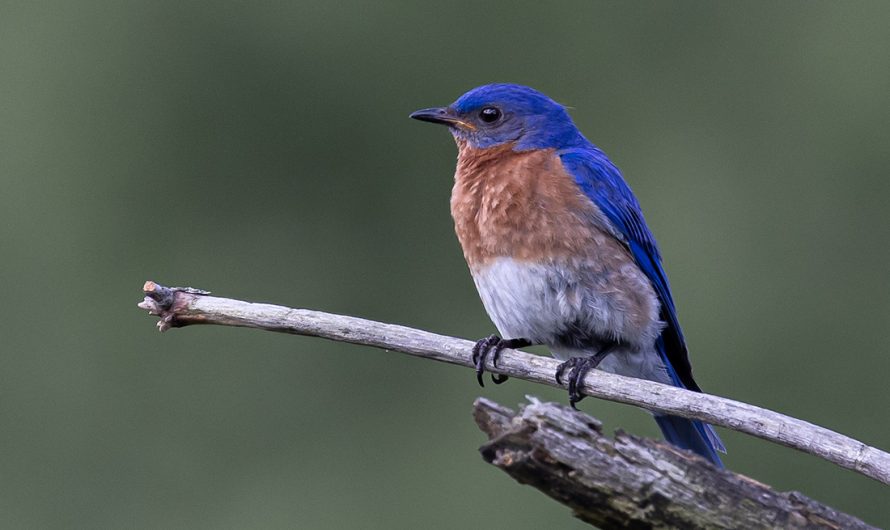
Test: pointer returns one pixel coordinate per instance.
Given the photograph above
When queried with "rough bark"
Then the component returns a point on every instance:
(632, 482)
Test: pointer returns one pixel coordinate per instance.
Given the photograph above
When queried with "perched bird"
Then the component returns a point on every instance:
(559, 251)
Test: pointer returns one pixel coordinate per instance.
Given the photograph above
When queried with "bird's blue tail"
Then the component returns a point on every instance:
(693, 435)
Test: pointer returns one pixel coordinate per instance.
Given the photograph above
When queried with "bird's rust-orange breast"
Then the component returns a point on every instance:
(523, 205)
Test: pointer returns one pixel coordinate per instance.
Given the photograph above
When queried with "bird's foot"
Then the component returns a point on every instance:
(492, 346)
(578, 368)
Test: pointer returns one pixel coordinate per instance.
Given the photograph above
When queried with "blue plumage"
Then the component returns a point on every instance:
(602, 182)
(485, 120)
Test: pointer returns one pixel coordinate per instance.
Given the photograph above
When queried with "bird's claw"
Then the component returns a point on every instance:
(578, 368)
(574, 365)
(493, 346)
(498, 378)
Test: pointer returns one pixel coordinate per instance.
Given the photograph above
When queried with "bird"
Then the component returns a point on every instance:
(559, 251)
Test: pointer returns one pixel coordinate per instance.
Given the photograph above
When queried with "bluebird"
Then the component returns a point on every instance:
(559, 251)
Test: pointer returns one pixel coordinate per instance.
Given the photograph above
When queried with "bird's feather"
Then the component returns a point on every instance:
(540, 211)
(602, 183)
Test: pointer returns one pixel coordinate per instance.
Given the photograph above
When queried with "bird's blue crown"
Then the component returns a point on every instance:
(503, 113)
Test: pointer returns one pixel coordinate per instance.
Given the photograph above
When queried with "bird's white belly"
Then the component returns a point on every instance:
(526, 300)
(548, 302)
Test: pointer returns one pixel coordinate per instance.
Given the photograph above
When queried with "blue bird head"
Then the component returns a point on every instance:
(497, 114)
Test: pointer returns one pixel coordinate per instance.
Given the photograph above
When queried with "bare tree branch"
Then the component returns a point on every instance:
(178, 307)
(632, 482)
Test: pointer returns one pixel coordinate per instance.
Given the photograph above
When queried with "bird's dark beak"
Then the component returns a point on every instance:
(443, 115)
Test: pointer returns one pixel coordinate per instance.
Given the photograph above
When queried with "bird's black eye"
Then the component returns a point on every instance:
(489, 114)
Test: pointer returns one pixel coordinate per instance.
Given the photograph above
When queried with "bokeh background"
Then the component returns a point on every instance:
(263, 150)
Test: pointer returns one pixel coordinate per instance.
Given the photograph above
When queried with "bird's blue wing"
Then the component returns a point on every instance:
(601, 181)
(603, 184)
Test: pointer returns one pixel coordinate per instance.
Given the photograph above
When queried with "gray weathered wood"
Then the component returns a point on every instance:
(632, 482)
(179, 307)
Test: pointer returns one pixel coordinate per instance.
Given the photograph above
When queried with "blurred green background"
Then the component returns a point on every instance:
(263, 150)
